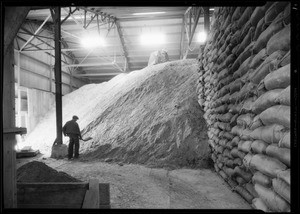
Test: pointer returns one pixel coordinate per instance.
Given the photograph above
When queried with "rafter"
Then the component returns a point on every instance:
(31, 34)
(73, 18)
(69, 14)
(127, 68)
(38, 48)
(36, 32)
(130, 19)
(87, 65)
(103, 17)
(193, 14)
(44, 42)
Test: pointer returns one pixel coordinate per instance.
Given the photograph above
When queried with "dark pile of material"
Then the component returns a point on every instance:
(39, 172)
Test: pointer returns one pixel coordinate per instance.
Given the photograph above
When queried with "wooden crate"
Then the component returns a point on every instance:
(63, 195)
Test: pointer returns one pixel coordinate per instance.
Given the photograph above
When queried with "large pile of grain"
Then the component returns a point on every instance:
(36, 171)
(149, 116)
(244, 89)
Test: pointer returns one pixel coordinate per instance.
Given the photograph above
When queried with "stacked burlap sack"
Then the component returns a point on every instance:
(244, 89)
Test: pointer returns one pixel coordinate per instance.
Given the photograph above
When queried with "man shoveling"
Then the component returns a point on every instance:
(71, 129)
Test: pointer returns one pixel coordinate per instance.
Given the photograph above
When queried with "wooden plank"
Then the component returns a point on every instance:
(15, 130)
(104, 195)
(51, 195)
(91, 199)
(53, 185)
(47, 206)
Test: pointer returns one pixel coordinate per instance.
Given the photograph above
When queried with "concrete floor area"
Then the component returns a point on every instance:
(136, 186)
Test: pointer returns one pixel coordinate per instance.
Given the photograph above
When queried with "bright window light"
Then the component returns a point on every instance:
(153, 39)
(148, 13)
(202, 37)
(92, 41)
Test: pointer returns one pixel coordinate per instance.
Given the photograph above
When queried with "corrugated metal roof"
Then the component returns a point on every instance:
(122, 37)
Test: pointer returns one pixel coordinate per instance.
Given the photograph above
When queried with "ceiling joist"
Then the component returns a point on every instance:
(35, 33)
(122, 52)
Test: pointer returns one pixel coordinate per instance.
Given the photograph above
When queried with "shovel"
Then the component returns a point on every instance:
(86, 139)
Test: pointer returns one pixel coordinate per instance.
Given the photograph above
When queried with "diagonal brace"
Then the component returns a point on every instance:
(36, 32)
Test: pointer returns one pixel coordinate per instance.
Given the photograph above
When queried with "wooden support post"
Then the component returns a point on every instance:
(91, 199)
(104, 194)
(58, 94)
(14, 17)
(9, 139)
(98, 196)
(19, 103)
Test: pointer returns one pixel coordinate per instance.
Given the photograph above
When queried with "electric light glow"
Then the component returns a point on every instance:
(202, 37)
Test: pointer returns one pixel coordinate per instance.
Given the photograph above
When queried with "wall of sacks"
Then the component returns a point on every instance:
(244, 89)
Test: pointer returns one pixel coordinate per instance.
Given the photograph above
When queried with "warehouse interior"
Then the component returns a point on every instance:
(178, 95)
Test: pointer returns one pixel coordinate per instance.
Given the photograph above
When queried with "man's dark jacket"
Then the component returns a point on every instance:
(71, 127)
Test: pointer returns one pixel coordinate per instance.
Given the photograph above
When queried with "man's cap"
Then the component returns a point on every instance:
(75, 117)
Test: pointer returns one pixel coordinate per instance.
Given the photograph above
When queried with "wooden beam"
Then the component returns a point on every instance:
(9, 138)
(13, 19)
(104, 196)
(91, 199)
(16, 130)
(127, 68)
